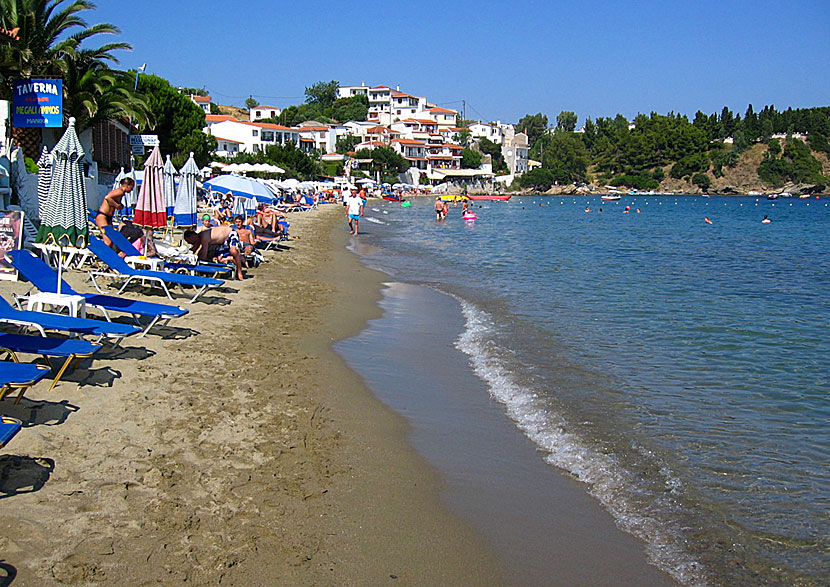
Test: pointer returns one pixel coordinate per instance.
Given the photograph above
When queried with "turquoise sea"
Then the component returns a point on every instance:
(678, 369)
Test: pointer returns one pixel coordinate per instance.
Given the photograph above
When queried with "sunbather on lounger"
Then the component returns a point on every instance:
(207, 242)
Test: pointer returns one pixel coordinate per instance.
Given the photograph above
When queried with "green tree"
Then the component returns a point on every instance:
(351, 108)
(322, 94)
(470, 159)
(566, 158)
(175, 118)
(488, 147)
(534, 126)
(702, 181)
(346, 144)
(538, 179)
(251, 102)
(566, 121)
(463, 137)
(385, 160)
(94, 92)
(48, 29)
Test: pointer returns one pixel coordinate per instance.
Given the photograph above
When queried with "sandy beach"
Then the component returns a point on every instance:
(233, 447)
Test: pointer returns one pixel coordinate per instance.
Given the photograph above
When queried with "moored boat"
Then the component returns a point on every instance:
(611, 197)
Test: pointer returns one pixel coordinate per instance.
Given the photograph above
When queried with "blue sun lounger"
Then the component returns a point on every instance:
(72, 349)
(45, 279)
(204, 269)
(120, 270)
(43, 321)
(19, 376)
(9, 427)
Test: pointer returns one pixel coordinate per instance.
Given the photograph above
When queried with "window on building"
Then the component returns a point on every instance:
(255, 132)
(258, 114)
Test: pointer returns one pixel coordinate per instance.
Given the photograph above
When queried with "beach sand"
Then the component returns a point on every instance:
(235, 448)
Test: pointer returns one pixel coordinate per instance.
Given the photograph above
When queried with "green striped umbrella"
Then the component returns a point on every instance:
(64, 219)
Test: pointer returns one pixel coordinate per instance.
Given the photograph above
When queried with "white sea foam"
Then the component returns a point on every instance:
(607, 480)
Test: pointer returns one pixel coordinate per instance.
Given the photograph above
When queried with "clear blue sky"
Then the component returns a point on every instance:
(506, 59)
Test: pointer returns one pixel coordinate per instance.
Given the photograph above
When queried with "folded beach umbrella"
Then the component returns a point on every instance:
(44, 179)
(169, 186)
(150, 209)
(238, 208)
(184, 210)
(64, 218)
(251, 206)
(129, 199)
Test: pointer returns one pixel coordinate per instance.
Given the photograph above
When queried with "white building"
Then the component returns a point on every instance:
(321, 137)
(447, 119)
(380, 105)
(202, 102)
(516, 151)
(252, 136)
(227, 147)
(413, 151)
(404, 105)
(262, 112)
(491, 132)
(349, 91)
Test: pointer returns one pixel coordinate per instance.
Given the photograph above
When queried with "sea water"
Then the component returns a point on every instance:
(679, 369)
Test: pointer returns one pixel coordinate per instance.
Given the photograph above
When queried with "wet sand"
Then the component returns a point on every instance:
(234, 447)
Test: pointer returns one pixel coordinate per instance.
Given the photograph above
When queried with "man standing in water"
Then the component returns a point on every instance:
(111, 203)
(354, 210)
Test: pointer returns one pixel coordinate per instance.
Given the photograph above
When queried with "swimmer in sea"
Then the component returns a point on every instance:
(707, 221)
(587, 208)
(766, 220)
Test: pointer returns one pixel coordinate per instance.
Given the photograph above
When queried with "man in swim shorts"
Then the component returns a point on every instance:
(354, 210)
(111, 203)
(209, 242)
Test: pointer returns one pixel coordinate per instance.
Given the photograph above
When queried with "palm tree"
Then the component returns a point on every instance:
(47, 30)
(95, 93)
(50, 34)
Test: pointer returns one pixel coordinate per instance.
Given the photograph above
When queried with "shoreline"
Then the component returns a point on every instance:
(236, 448)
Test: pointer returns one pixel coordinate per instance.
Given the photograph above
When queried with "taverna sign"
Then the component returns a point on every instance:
(37, 103)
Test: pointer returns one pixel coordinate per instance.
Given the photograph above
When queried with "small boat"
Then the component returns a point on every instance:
(772, 197)
(486, 197)
(611, 197)
(803, 196)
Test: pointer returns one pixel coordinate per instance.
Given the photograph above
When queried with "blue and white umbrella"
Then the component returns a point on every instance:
(169, 186)
(184, 210)
(240, 186)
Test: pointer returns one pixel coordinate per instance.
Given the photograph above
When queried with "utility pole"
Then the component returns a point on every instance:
(463, 110)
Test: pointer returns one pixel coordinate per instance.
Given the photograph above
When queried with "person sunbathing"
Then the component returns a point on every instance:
(212, 243)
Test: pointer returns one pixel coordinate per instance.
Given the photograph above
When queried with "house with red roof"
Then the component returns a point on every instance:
(251, 136)
(202, 102)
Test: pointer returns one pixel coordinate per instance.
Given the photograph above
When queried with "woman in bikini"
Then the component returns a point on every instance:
(111, 203)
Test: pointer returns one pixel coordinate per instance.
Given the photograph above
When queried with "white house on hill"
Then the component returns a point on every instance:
(262, 112)
(202, 102)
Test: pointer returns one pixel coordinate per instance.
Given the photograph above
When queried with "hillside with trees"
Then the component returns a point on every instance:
(717, 153)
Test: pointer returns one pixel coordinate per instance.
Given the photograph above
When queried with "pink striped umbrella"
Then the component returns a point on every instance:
(150, 208)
